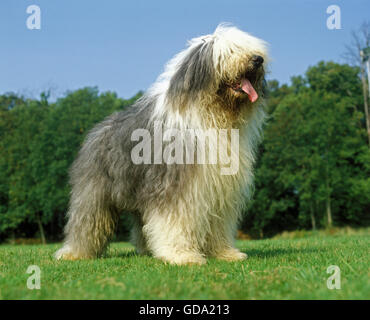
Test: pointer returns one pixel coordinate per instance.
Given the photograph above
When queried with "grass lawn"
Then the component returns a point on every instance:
(281, 268)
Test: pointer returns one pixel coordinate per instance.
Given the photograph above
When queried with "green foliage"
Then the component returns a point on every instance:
(38, 144)
(315, 161)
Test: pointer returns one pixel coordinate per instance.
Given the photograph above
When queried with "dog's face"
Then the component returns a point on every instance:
(240, 60)
(228, 64)
(247, 84)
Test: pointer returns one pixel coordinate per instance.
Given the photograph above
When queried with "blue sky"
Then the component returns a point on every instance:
(122, 45)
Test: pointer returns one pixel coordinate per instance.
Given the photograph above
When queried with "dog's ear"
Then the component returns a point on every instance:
(194, 74)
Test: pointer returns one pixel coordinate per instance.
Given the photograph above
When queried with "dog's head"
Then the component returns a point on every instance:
(228, 64)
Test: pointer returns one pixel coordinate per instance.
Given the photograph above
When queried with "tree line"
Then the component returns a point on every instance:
(312, 170)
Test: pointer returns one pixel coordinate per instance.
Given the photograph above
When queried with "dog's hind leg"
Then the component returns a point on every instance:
(91, 222)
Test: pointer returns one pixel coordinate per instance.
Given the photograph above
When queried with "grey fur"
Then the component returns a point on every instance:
(104, 167)
(194, 75)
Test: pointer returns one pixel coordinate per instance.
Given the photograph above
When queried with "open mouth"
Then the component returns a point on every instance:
(245, 86)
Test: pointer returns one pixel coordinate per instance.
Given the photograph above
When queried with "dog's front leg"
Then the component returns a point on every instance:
(173, 238)
(220, 241)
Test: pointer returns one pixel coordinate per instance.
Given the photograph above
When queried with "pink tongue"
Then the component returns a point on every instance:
(249, 90)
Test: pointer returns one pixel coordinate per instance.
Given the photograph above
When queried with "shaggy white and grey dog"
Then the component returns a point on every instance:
(182, 213)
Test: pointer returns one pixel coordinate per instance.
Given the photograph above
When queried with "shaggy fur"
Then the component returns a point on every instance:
(182, 213)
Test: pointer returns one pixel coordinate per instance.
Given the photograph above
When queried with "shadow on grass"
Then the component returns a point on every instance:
(122, 254)
(258, 253)
(269, 253)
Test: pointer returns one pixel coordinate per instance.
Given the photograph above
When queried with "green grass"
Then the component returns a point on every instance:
(280, 268)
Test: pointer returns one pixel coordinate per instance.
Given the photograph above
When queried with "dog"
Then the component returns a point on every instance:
(182, 213)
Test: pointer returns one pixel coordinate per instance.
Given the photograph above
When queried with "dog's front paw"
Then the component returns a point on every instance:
(184, 259)
(231, 254)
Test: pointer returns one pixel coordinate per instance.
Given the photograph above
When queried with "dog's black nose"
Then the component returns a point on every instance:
(257, 60)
